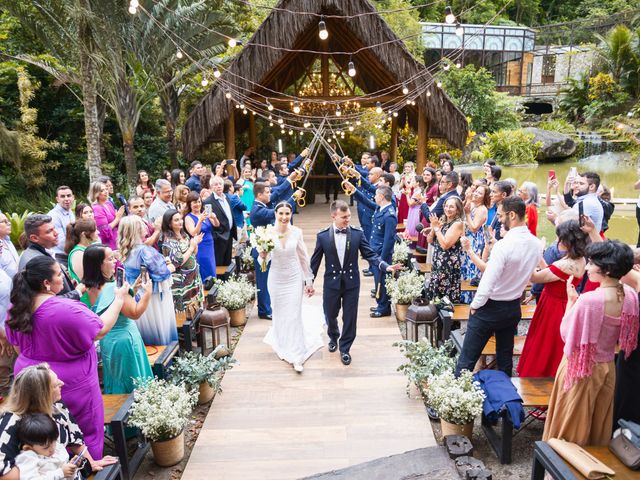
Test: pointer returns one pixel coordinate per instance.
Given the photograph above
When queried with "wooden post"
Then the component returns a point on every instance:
(423, 138)
(253, 139)
(393, 147)
(230, 136)
(324, 73)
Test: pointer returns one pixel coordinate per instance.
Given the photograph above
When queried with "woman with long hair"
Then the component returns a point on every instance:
(247, 183)
(181, 251)
(262, 169)
(447, 252)
(205, 181)
(542, 351)
(466, 180)
(475, 215)
(528, 192)
(196, 222)
(177, 177)
(144, 183)
(581, 402)
(157, 324)
(180, 198)
(290, 275)
(36, 389)
(84, 211)
(62, 332)
(106, 217)
(431, 189)
(124, 358)
(80, 234)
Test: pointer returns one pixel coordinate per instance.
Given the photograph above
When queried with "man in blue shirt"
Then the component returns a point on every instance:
(62, 216)
(193, 182)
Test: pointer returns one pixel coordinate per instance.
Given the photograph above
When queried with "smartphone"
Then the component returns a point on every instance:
(119, 277)
(581, 214)
(207, 209)
(143, 272)
(485, 231)
(573, 172)
(229, 162)
(552, 174)
(80, 457)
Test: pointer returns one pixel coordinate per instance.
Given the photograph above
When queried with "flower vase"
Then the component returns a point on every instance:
(401, 311)
(238, 317)
(205, 393)
(453, 429)
(168, 452)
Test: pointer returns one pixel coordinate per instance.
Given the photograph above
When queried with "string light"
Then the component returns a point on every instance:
(458, 65)
(439, 84)
(352, 69)
(133, 7)
(405, 90)
(179, 54)
(296, 107)
(378, 107)
(216, 72)
(242, 106)
(445, 67)
(338, 111)
(270, 117)
(395, 114)
(428, 94)
(323, 33)
(133, 10)
(228, 95)
(280, 121)
(244, 112)
(459, 29)
(204, 82)
(269, 106)
(232, 42)
(449, 16)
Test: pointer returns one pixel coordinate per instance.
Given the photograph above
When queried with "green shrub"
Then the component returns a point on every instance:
(605, 95)
(558, 125)
(17, 226)
(511, 147)
(574, 98)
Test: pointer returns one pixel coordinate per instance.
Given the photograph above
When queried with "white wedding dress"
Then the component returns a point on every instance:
(293, 336)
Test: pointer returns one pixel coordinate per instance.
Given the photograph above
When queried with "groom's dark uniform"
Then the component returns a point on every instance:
(341, 286)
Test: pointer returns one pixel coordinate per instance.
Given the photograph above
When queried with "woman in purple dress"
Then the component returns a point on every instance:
(61, 332)
(105, 215)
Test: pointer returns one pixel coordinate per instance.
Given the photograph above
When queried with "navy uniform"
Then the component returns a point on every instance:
(341, 286)
(365, 213)
(383, 236)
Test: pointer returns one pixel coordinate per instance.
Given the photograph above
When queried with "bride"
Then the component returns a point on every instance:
(289, 277)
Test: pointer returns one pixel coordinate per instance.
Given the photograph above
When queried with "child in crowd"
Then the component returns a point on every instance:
(42, 457)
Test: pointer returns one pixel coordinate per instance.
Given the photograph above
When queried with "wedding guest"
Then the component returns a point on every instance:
(124, 358)
(61, 331)
(447, 251)
(226, 232)
(499, 192)
(157, 324)
(542, 351)
(237, 207)
(162, 202)
(177, 177)
(8, 255)
(36, 390)
(466, 180)
(166, 175)
(106, 216)
(393, 170)
(447, 166)
(193, 182)
(147, 198)
(406, 191)
(528, 192)
(262, 168)
(447, 188)
(581, 402)
(80, 235)
(475, 215)
(136, 207)
(180, 198)
(247, 196)
(84, 211)
(432, 188)
(106, 180)
(181, 251)
(143, 184)
(62, 215)
(197, 222)
(205, 181)
(587, 184)
(495, 172)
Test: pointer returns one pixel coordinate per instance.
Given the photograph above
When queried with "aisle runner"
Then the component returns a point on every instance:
(271, 423)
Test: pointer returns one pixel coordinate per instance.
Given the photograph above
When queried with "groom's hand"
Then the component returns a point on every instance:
(395, 268)
(309, 291)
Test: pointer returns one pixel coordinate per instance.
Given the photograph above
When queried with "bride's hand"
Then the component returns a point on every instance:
(263, 254)
(309, 291)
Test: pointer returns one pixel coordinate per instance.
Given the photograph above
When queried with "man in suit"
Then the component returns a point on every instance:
(448, 188)
(226, 232)
(261, 215)
(339, 244)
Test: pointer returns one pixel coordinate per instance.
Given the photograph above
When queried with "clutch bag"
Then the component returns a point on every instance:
(588, 465)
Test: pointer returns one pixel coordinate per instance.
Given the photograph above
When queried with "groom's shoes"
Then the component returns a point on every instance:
(332, 347)
(345, 358)
(373, 309)
(377, 314)
(265, 317)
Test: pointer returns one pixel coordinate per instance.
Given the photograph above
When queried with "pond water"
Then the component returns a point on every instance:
(616, 170)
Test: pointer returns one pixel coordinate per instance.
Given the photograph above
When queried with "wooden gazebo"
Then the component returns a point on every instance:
(286, 48)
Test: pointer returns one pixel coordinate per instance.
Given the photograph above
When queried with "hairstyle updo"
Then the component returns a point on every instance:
(283, 204)
(613, 257)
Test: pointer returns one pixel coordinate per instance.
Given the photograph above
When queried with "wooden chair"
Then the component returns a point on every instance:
(223, 272)
(186, 330)
(116, 415)
(545, 459)
(161, 356)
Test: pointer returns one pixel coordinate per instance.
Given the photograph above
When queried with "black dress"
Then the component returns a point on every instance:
(626, 399)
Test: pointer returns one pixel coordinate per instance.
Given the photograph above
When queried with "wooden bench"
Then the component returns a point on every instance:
(465, 286)
(457, 337)
(421, 267)
(116, 415)
(545, 459)
(461, 312)
(535, 393)
(223, 272)
(161, 356)
(187, 328)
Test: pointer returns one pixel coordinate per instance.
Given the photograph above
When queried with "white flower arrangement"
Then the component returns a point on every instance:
(161, 410)
(234, 293)
(400, 252)
(193, 368)
(457, 400)
(406, 288)
(424, 361)
(247, 260)
(264, 240)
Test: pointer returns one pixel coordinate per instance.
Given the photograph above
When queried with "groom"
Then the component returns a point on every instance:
(340, 244)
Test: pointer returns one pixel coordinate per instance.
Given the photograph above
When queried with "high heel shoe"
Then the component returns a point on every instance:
(298, 367)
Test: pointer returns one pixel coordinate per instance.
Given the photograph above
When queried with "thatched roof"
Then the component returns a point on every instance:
(378, 67)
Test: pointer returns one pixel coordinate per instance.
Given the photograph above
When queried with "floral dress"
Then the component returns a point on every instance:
(445, 272)
(469, 269)
(188, 294)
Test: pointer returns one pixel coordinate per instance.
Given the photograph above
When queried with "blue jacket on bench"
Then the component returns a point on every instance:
(500, 394)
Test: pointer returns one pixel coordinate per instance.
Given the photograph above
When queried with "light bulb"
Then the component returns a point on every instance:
(270, 117)
(378, 107)
(352, 69)
(133, 10)
(338, 111)
(282, 130)
(269, 106)
(428, 94)
(232, 42)
(458, 65)
(204, 82)
(323, 33)
(449, 16)
(358, 122)
(296, 107)
(351, 129)
(134, 3)
(439, 84)
(395, 114)
(237, 106)
(408, 102)
(459, 30)
(290, 132)
(242, 106)
(280, 121)
(301, 133)
(445, 67)
(244, 112)
(405, 90)
(271, 124)
(179, 54)
(228, 94)
(216, 73)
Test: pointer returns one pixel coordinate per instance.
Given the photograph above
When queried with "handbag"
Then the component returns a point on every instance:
(580, 459)
(626, 451)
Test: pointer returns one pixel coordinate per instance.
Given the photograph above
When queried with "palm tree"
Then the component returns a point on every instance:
(575, 97)
(615, 51)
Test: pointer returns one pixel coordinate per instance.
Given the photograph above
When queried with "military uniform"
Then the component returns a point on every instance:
(383, 234)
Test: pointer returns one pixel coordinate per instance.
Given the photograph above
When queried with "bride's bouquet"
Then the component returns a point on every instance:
(264, 240)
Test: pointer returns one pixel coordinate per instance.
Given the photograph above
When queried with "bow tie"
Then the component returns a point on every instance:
(341, 231)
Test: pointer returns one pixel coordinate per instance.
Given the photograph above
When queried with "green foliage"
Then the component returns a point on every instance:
(606, 97)
(192, 369)
(619, 52)
(511, 147)
(473, 90)
(558, 125)
(405, 23)
(575, 98)
(17, 226)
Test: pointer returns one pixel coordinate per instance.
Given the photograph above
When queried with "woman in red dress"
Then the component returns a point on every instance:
(543, 346)
(406, 190)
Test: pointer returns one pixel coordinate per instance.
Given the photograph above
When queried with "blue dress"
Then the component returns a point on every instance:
(206, 256)
(469, 269)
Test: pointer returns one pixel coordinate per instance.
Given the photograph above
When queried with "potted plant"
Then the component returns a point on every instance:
(233, 294)
(404, 290)
(246, 264)
(425, 361)
(205, 373)
(458, 401)
(401, 252)
(162, 410)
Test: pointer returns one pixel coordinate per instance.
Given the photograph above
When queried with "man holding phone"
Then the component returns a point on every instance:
(587, 202)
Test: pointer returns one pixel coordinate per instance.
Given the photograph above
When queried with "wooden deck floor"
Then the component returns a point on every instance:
(272, 423)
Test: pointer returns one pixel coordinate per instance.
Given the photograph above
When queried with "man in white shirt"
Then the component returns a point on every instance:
(495, 309)
(62, 216)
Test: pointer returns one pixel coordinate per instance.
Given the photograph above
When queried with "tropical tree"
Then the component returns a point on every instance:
(619, 52)
(574, 98)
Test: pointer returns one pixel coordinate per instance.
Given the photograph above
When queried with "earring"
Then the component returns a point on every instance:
(48, 289)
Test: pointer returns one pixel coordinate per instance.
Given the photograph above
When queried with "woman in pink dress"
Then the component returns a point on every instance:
(61, 332)
(105, 215)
